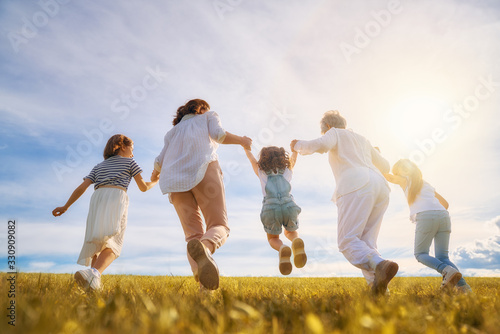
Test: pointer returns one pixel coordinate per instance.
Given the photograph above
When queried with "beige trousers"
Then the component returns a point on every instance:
(207, 199)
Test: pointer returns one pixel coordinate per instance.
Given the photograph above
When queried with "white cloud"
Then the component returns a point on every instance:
(483, 254)
(262, 58)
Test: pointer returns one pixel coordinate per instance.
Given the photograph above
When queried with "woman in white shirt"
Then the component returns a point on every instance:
(429, 211)
(191, 175)
(361, 195)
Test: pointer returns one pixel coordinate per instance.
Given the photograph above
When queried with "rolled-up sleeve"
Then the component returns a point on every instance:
(215, 130)
(322, 144)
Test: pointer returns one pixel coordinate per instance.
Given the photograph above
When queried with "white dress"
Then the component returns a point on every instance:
(107, 217)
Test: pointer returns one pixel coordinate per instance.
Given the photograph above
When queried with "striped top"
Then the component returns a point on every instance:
(188, 149)
(114, 171)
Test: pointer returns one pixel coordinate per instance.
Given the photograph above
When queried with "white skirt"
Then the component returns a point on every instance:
(106, 223)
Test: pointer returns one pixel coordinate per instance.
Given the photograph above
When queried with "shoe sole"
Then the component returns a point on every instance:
(299, 255)
(285, 264)
(208, 274)
(452, 281)
(380, 286)
(81, 280)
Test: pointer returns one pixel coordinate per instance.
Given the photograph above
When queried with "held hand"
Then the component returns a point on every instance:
(246, 143)
(59, 211)
(155, 176)
(292, 145)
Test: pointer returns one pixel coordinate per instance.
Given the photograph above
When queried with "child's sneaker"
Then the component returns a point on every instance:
(299, 254)
(208, 273)
(87, 279)
(451, 276)
(285, 264)
(384, 272)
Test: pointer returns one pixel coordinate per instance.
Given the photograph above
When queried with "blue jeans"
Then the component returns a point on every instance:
(434, 225)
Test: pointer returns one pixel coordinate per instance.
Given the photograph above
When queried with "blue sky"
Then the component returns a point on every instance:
(418, 79)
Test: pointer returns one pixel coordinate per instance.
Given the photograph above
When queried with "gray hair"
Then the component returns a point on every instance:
(332, 119)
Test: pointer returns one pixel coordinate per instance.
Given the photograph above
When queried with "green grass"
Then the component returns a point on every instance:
(52, 303)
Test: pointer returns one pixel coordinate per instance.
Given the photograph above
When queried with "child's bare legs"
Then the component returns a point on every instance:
(299, 255)
(285, 253)
(274, 241)
(103, 260)
(291, 235)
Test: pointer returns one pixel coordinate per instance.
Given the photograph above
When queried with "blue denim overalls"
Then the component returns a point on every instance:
(278, 207)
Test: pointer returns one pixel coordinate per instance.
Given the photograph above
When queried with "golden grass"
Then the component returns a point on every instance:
(52, 303)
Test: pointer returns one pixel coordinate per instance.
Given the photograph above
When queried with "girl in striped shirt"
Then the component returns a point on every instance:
(107, 217)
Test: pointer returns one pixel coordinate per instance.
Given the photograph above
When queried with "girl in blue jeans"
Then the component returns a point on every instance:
(274, 169)
(428, 210)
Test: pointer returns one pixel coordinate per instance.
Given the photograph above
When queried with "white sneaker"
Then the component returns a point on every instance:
(87, 279)
(451, 276)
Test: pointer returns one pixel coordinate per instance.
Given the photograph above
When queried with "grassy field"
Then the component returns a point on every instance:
(52, 303)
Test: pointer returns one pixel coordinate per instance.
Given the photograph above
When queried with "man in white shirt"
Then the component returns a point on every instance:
(361, 195)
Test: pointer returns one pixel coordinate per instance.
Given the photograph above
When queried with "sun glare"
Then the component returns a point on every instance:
(414, 118)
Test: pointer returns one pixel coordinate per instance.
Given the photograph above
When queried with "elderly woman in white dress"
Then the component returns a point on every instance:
(361, 195)
(191, 175)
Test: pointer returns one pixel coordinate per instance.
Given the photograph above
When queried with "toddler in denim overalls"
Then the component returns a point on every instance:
(279, 209)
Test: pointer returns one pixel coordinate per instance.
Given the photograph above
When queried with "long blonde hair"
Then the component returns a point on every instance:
(409, 169)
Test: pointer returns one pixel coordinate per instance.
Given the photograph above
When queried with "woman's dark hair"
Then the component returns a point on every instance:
(191, 107)
(114, 144)
(273, 158)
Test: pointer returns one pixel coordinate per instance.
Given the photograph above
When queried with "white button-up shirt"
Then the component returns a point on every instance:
(189, 147)
(351, 156)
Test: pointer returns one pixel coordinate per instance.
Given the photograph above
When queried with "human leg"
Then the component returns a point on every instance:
(441, 245)
(210, 197)
(105, 258)
(274, 241)
(291, 235)
(190, 217)
(354, 209)
(425, 231)
(372, 228)
(285, 266)
(299, 254)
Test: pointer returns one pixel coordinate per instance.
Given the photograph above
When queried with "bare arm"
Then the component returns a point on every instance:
(253, 161)
(442, 200)
(77, 193)
(293, 159)
(396, 179)
(234, 139)
(379, 161)
(143, 185)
